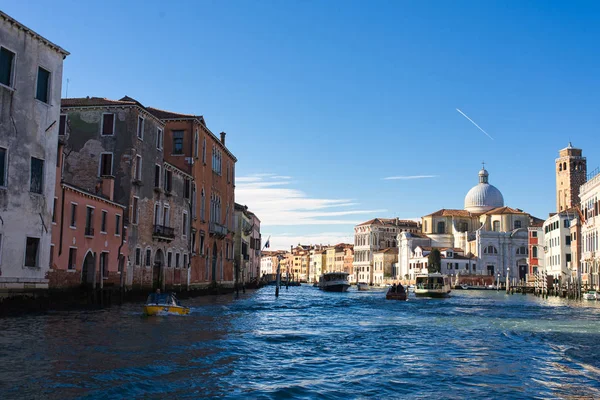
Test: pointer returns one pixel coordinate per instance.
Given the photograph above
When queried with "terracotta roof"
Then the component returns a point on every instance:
(452, 213)
(389, 221)
(94, 101)
(163, 114)
(387, 250)
(505, 210)
(454, 249)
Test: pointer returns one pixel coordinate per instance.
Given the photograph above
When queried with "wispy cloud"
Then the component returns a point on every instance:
(408, 177)
(473, 122)
(276, 203)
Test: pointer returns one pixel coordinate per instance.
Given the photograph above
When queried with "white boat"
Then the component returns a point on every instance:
(334, 282)
(591, 295)
(362, 286)
(432, 285)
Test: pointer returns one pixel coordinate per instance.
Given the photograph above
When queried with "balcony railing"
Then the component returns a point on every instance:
(163, 232)
(217, 229)
(89, 231)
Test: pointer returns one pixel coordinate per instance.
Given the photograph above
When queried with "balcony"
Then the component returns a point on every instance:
(89, 231)
(217, 229)
(162, 232)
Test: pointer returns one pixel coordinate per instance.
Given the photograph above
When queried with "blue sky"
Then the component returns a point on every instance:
(321, 100)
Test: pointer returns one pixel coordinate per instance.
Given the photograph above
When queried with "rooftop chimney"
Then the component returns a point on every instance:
(108, 187)
(223, 138)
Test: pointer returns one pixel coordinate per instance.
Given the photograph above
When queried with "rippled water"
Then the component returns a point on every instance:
(309, 344)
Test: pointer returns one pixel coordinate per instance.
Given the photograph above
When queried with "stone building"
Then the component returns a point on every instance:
(31, 70)
(590, 232)
(193, 148)
(88, 236)
(375, 235)
(255, 248)
(382, 264)
(242, 241)
(120, 140)
(536, 248)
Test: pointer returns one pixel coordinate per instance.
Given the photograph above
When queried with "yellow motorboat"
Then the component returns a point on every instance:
(164, 303)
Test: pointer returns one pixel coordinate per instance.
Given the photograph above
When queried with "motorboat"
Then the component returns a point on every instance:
(334, 282)
(591, 295)
(397, 293)
(164, 303)
(432, 285)
(464, 287)
(362, 286)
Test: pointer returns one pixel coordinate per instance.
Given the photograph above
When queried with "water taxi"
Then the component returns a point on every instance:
(397, 293)
(432, 285)
(334, 282)
(164, 303)
(591, 295)
(362, 286)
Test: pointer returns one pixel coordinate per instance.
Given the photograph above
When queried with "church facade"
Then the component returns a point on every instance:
(486, 238)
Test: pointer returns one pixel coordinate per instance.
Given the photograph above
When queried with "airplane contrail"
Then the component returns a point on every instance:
(473, 122)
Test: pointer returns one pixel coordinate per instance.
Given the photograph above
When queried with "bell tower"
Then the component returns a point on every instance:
(571, 173)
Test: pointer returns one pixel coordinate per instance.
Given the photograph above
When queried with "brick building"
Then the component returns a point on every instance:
(194, 149)
(121, 140)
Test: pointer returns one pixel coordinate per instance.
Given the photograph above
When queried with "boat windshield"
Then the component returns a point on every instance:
(430, 282)
(162, 298)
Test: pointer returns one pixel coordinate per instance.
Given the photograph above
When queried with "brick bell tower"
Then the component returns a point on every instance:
(571, 173)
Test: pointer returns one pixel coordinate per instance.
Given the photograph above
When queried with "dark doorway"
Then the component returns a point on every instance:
(214, 262)
(157, 272)
(87, 271)
(490, 269)
(522, 272)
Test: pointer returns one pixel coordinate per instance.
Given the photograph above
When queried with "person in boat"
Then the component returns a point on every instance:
(400, 288)
(393, 288)
(155, 297)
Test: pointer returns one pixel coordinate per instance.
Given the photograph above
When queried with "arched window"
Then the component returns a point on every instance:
(441, 227)
(202, 206)
(565, 166)
(560, 167)
(490, 250)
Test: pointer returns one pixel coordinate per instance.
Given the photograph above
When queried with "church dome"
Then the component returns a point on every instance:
(483, 197)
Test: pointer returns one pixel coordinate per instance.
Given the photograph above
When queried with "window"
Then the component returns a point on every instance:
(185, 224)
(7, 65)
(534, 234)
(156, 175)
(168, 181)
(140, 128)
(54, 210)
(148, 255)
(496, 227)
(216, 160)
(137, 175)
(177, 260)
(193, 242)
(186, 188)
(196, 144)
(51, 262)
(108, 124)
(72, 258)
(194, 195)
(156, 214)
(203, 206)
(138, 256)
(567, 222)
(169, 259)
(134, 211)
(568, 257)
(490, 250)
(106, 164)
(517, 224)
(204, 151)
(159, 139)
(37, 175)
(3, 167)
(62, 125)
(31, 252)
(73, 214)
(104, 265)
(103, 222)
(89, 221)
(441, 227)
(534, 252)
(568, 239)
(166, 215)
(43, 85)
(177, 142)
(201, 250)
(117, 225)
(185, 260)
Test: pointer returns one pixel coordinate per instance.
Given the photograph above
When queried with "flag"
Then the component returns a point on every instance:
(267, 244)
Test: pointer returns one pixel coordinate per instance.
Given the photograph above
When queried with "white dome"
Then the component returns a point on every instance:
(483, 197)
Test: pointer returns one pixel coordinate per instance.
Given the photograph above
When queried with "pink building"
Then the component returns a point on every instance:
(88, 235)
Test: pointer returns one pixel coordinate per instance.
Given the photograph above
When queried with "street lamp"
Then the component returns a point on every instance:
(498, 283)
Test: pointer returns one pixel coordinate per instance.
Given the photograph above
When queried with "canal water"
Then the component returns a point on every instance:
(310, 344)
